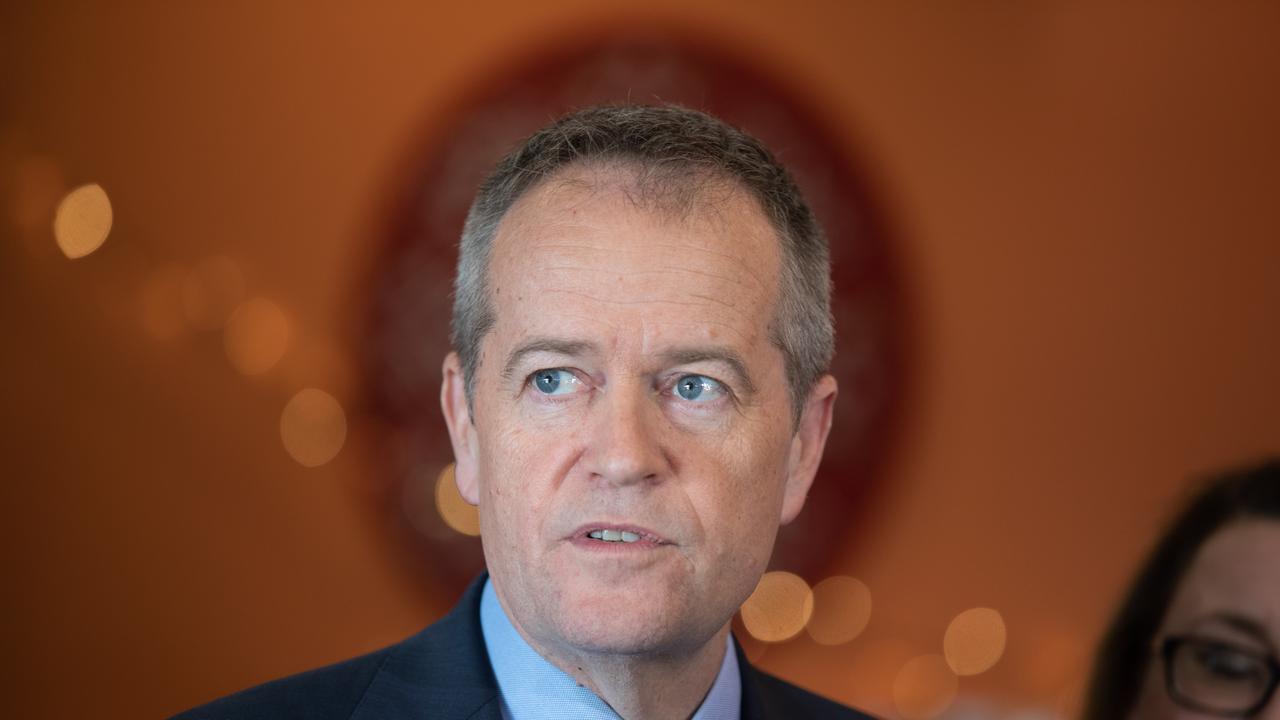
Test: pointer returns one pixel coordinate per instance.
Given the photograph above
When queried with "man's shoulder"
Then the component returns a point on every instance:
(328, 692)
(774, 697)
(444, 667)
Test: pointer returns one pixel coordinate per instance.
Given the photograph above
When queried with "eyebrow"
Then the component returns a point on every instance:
(554, 346)
(1240, 623)
(684, 356)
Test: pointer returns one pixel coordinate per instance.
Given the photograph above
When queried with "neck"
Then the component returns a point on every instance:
(644, 687)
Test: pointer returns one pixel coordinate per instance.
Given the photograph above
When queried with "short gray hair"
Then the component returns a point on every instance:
(671, 141)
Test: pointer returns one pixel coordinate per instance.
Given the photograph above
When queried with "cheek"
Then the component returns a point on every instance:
(519, 462)
(1153, 701)
(738, 511)
(742, 491)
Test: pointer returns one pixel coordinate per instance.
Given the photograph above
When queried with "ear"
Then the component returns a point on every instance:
(462, 431)
(806, 446)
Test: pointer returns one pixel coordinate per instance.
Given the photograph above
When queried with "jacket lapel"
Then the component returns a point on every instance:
(441, 673)
(754, 701)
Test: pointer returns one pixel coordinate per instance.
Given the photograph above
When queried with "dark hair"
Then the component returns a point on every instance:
(668, 146)
(1126, 650)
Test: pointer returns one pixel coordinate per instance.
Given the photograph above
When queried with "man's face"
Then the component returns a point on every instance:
(631, 447)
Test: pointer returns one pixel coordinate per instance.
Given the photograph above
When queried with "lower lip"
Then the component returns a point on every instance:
(615, 548)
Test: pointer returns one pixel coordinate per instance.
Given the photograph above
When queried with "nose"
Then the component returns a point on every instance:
(624, 445)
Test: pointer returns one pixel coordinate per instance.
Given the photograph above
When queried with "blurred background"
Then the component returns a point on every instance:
(227, 241)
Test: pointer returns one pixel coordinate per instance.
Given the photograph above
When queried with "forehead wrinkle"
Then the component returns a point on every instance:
(616, 301)
(744, 335)
(746, 268)
(743, 274)
(718, 301)
(656, 271)
(746, 279)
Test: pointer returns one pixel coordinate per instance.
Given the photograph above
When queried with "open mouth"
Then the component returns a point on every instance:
(619, 535)
(614, 536)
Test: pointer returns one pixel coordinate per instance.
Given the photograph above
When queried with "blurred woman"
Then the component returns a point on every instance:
(1199, 633)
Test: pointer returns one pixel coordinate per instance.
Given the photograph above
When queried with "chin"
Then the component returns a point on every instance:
(631, 626)
(599, 636)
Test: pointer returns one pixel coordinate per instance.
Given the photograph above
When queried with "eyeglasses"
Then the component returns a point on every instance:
(1218, 678)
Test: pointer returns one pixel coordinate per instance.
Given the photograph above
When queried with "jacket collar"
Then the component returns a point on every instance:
(444, 672)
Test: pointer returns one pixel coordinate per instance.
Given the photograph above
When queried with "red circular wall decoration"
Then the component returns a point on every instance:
(408, 329)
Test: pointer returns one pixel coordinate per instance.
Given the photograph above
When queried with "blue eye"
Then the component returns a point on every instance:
(699, 388)
(555, 382)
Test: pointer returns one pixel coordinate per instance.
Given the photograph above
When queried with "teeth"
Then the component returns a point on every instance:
(613, 536)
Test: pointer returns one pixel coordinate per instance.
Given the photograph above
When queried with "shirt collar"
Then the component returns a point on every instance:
(532, 688)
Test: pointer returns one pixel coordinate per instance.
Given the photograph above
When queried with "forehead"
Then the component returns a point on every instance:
(1236, 571)
(591, 250)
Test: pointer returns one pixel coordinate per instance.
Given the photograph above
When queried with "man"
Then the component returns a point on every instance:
(637, 400)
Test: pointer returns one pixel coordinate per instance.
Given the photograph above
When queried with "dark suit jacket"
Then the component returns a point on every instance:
(443, 673)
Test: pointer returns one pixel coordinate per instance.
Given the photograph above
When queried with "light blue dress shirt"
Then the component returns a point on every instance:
(534, 689)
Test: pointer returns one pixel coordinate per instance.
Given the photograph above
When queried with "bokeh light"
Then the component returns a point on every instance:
(924, 688)
(82, 221)
(313, 427)
(211, 291)
(841, 610)
(456, 512)
(256, 336)
(974, 641)
(778, 608)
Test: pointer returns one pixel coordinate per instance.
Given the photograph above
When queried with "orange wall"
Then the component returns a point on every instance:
(1086, 205)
